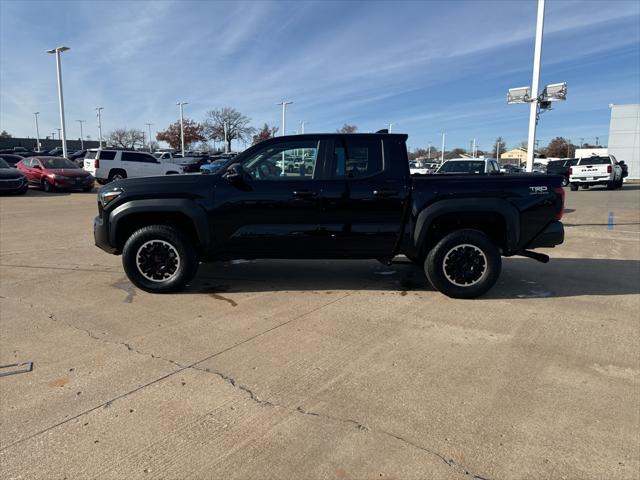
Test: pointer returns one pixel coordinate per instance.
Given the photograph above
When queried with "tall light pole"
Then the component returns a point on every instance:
(284, 116)
(473, 149)
(390, 125)
(302, 124)
(429, 152)
(226, 130)
(99, 115)
(81, 136)
(180, 105)
(37, 131)
(442, 152)
(533, 112)
(149, 127)
(57, 51)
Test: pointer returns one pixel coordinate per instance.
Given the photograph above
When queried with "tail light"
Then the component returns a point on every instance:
(608, 168)
(570, 170)
(560, 192)
(97, 163)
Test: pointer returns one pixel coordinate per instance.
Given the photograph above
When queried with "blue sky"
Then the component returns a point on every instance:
(426, 66)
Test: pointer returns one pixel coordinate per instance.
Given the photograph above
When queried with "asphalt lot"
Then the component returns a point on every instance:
(301, 369)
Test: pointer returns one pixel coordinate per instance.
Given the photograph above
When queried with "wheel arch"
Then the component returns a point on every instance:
(180, 213)
(494, 217)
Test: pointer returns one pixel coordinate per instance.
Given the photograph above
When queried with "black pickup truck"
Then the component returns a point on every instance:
(329, 196)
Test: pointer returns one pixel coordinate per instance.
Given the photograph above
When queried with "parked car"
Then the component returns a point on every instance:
(55, 152)
(422, 168)
(188, 163)
(12, 180)
(358, 202)
(510, 169)
(561, 167)
(11, 159)
(55, 173)
(108, 165)
(78, 157)
(596, 170)
(468, 166)
(214, 166)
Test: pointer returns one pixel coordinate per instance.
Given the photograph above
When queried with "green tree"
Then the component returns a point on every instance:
(265, 133)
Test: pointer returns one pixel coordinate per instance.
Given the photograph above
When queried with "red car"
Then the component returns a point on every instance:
(53, 173)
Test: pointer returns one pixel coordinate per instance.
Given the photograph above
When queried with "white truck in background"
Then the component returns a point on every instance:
(169, 157)
(596, 170)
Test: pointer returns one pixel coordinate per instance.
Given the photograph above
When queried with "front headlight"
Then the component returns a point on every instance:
(110, 195)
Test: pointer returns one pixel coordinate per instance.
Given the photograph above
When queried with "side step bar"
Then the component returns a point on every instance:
(541, 257)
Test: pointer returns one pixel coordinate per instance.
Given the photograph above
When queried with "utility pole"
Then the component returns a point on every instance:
(473, 149)
(149, 127)
(302, 124)
(597, 141)
(390, 125)
(181, 104)
(429, 152)
(99, 115)
(81, 136)
(442, 152)
(57, 51)
(534, 108)
(37, 132)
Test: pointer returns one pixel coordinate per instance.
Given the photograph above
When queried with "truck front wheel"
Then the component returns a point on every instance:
(159, 259)
(464, 264)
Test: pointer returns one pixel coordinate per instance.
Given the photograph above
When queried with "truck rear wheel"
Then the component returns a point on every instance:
(574, 187)
(159, 259)
(464, 264)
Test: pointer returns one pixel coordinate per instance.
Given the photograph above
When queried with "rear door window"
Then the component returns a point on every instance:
(107, 155)
(91, 155)
(357, 158)
(595, 161)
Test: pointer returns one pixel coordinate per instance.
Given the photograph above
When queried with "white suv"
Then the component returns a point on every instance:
(108, 165)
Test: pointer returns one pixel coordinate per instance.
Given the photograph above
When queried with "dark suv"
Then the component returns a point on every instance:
(561, 167)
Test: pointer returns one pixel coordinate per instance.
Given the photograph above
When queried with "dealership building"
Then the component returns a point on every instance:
(624, 136)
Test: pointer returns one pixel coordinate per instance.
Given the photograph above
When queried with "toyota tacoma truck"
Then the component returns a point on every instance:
(357, 201)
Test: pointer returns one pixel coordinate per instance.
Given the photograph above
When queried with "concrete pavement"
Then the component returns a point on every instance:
(311, 369)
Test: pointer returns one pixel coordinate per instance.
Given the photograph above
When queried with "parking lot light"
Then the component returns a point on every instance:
(99, 115)
(37, 131)
(180, 105)
(149, 125)
(57, 51)
(81, 137)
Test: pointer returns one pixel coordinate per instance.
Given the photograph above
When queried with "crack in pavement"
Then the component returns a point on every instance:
(248, 391)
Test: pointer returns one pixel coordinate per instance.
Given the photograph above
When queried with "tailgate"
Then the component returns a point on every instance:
(590, 171)
(90, 166)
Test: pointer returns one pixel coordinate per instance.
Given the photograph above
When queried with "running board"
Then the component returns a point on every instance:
(541, 257)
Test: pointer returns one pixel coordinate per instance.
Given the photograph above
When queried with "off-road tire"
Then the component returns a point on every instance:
(176, 245)
(453, 265)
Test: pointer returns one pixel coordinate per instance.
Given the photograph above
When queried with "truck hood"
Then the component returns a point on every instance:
(182, 185)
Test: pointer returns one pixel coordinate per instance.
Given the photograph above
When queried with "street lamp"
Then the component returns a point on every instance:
(284, 116)
(37, 131)
(429, 152)
(99, 115)
(57, 51)
(149, 126)
(442, 152)
(390, 125)
(181, 104)
(302, 124)
(81, 137)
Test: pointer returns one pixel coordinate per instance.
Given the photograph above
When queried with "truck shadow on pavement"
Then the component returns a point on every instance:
(521, 278)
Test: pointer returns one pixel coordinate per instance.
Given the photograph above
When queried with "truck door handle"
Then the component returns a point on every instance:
(385, 193)
(304, 193)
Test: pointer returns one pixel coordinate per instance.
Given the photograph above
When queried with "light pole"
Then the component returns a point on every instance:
(473, 149)
(57, 51)
(37, 131)
(533, 111)
(53, 135)
(181, 104)
(390, 125)
(302, 124)
(442, 152)
(99, 114)
(149, 127)
(284, 116)
(226, 130)
(81, 137)
(429, 152)
(60, 137)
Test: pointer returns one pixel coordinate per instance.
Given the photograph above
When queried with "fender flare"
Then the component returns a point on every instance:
(507, 211)
(174, 205)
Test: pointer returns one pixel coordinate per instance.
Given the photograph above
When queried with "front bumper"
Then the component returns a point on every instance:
(84, 182)
(550, 237)
(101, 235)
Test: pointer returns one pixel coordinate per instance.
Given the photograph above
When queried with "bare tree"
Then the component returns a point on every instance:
(128, 138)
(346, 128)
(237, 125)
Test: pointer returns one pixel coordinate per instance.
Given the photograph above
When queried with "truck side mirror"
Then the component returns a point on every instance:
(234, 173)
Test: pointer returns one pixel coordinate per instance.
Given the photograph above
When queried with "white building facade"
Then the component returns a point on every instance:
(624, 136)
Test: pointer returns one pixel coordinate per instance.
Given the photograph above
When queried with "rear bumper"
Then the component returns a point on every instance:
(550, 237)
(101, 235)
